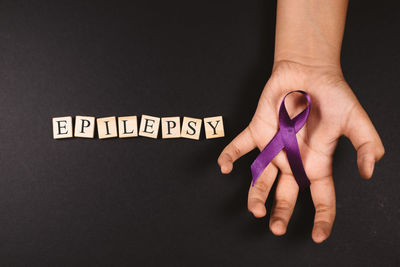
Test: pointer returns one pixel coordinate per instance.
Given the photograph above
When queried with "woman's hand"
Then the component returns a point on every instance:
(335, 111)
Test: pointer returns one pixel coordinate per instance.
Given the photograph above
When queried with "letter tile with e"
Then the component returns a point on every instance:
(149, 126)
(62, 127)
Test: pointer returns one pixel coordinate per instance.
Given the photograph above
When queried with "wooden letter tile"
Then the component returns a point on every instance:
(84, 126)
(127, 126)
(107, 127)
(171, 127)
(214, 127)
(191, 128)
(149, 126)
(62, 127)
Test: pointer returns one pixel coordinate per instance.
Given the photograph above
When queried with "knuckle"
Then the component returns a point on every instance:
(381, 151)
(325, 209)
(261, 185)
(275, 218)
(283, 204)
(235, 150)
(371, 150)
(221, 157)
(324, 224)
(225, 156)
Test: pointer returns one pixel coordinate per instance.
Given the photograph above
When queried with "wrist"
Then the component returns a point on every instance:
(307, 71)
(310, 52)
(310, 32)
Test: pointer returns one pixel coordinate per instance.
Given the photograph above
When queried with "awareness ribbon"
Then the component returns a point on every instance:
(285, 138)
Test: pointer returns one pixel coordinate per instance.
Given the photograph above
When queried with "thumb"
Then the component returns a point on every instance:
(365, 139)
(241, 145)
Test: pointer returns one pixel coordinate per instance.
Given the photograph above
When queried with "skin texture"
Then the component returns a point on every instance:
(335, 111)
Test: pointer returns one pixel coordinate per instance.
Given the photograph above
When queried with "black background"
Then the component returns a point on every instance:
(146, 202)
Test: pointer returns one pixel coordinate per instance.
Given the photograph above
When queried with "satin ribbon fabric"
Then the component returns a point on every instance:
(286, 139)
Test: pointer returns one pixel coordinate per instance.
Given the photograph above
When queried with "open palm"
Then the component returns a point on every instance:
(335, 111)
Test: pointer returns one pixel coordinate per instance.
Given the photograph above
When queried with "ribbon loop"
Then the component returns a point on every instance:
(286, 139)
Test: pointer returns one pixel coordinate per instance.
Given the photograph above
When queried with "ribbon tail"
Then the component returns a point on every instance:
(295, 162)
(266, 156)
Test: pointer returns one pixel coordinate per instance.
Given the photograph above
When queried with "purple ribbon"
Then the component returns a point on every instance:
(285, 138)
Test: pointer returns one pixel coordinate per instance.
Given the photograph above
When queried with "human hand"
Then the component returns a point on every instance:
(335, 111)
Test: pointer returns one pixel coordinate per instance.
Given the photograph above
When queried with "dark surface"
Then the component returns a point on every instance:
(145, 202)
